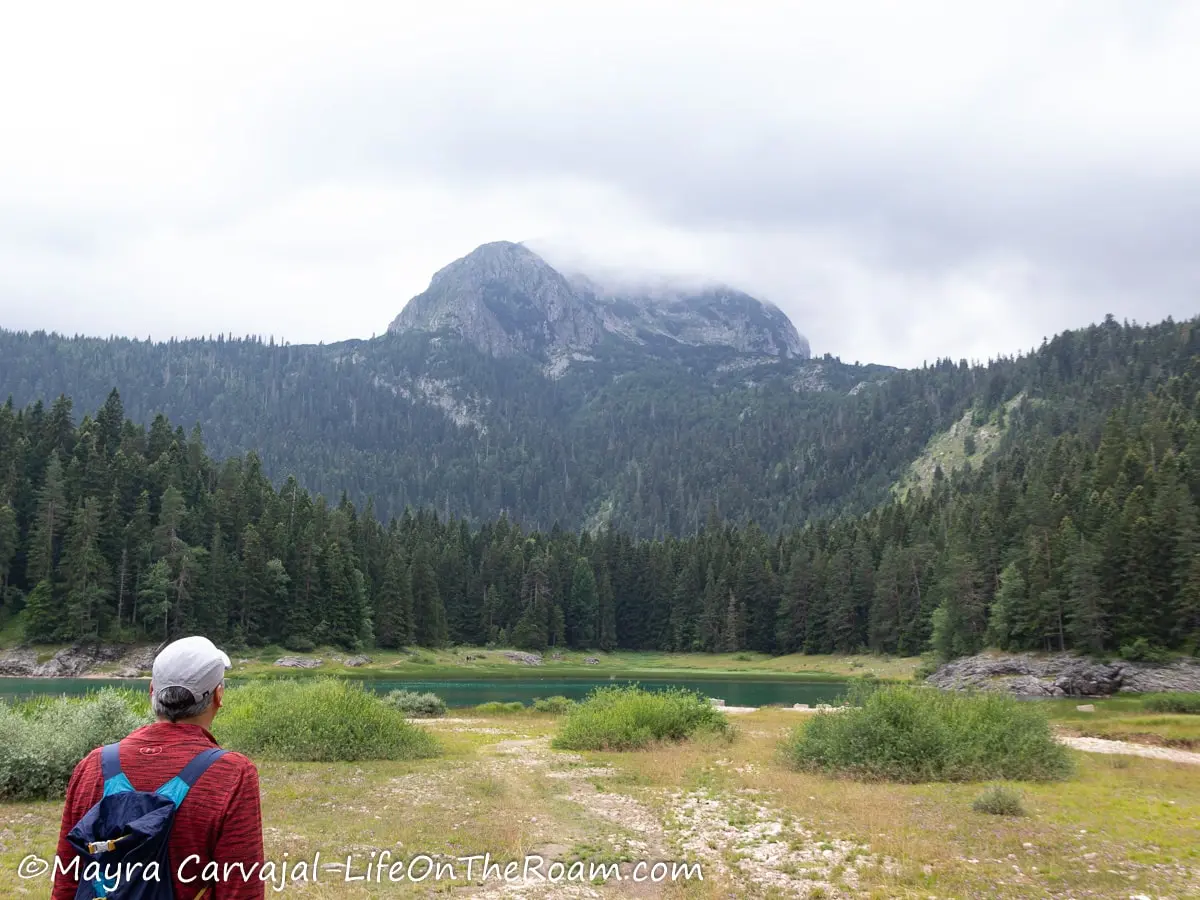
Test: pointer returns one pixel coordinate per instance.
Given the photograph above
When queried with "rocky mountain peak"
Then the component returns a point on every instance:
(506, 299)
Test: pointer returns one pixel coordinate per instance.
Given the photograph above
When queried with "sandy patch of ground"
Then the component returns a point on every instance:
(1101, 745)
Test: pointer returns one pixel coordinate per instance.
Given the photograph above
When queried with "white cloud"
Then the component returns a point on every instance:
(906, 180)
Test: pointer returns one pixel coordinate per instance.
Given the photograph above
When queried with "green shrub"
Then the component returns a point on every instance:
(417, 706)
(554, 705)
(317, 720)
(1174, 703)
(1142, 650)
(912, 734)
(999, 801)
(929, 665)
(496, 708)
(630, 718)
(42, 740)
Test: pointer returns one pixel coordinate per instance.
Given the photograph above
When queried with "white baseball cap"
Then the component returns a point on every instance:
(194, 663)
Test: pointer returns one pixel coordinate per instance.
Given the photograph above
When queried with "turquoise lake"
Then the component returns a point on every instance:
(471, 692)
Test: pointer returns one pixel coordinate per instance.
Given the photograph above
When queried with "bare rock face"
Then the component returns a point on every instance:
(140, 660)
(1064, 675)
(507, 300)
(356, 661)
(715, 316)
(70, 662)
(295, 662)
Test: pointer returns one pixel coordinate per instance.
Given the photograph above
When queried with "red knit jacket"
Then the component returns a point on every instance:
(220, 819)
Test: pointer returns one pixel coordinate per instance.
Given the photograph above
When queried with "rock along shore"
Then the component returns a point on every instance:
(78, 661)
(1064, 675)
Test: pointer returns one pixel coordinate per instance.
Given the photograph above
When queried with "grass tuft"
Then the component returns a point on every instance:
(999, 800)
(317, 720)
(1174, 703)
(496, 708)
(556, 706)
(631, 718)
(916, 734)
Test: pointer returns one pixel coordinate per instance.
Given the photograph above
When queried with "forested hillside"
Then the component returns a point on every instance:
(1079, 531)
(645, 443)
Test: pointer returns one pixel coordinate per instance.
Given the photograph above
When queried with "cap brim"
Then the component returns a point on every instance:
(225, 658)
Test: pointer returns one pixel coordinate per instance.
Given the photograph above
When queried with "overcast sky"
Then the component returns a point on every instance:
(906, 180)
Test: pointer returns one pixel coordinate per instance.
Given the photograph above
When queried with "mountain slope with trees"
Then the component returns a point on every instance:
(1078, 531)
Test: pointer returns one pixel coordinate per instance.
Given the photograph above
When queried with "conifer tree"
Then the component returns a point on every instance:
(394, 605)
(429, 615)
(582, 605)
(85, 573)
(45, 620)
(49, 523)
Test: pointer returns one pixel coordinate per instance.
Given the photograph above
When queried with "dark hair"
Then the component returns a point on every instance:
(175, 703)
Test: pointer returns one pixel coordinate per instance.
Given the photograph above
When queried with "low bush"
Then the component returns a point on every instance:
(928, 666)
(630, 718)
(496, 708)
(41, 741)
(1174, 703)
(999, 801)
(913, 734)
(1142, 650)
(317, 720)
(417, 706)
(556, 706)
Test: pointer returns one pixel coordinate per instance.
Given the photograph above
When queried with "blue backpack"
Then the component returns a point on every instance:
(121, 836)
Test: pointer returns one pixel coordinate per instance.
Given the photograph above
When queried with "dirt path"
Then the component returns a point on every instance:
(1100, 745)
(625, 827)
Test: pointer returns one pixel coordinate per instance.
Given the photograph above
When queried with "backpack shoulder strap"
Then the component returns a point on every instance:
(177, 788)
(115, 781)
(199, 765)
(110, 760)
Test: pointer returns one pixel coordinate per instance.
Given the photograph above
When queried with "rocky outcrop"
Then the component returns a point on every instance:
(356, 661)
(77, 661)
(296, 662)
(526, 659)
(1064, 675)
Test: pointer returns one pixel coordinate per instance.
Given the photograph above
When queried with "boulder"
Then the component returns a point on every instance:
(591, 661)
(295, 662)
(355, 661)
(716, 701)
(526, 659)
(1086, 707)
(141, 659)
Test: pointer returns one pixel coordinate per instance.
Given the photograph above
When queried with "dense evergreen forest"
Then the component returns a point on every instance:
(646, 442)
(1079, 531)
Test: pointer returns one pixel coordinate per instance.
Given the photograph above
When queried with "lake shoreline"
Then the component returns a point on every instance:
(132, 661)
